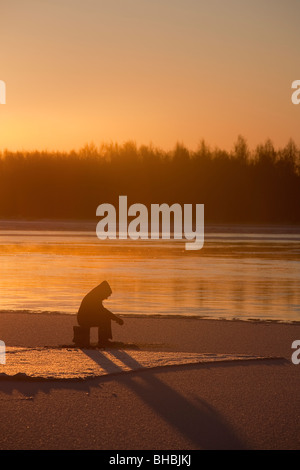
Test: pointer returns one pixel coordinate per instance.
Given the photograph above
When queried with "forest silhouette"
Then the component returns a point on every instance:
(238, 186)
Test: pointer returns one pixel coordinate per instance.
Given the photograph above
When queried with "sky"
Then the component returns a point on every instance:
(151, 71)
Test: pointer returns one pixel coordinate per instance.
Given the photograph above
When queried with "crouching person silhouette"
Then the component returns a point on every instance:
(92, 313)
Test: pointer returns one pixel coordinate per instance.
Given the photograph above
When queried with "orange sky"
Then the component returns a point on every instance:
(159, 71)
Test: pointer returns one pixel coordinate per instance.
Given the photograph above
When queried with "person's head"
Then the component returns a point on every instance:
(105, 289)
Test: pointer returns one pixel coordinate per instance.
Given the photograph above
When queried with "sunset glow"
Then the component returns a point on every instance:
(148, 71)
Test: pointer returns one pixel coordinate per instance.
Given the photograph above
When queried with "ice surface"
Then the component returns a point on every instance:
(80, 364)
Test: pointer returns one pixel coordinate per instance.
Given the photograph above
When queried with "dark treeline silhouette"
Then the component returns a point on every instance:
(258, 186)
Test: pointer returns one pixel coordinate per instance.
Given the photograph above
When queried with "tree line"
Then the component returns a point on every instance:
(238, 186)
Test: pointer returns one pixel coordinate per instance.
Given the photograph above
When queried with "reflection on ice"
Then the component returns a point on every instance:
(238, 273)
